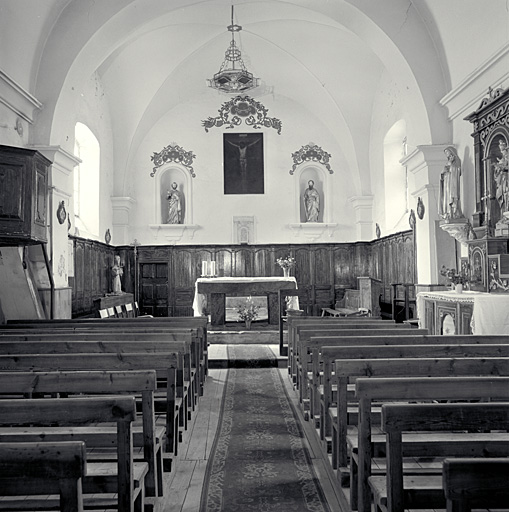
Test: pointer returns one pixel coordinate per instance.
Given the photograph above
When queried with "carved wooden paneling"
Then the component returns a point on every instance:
(167, 273)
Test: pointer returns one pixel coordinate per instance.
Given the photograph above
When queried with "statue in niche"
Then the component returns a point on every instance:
(175, 199)
(450, 205)
(311, 202)
(501, 171)
(117, 272)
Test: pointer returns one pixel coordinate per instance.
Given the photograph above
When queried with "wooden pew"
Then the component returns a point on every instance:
(379, 390)
(329, 354)
(327, 328)
(164, 363)
(474, 483)
(19, 384)
(396, 492)
(192, 357)
(125, 478)
(311, 321)
(351, 369)
(309, 345)
(42, 468)
(195, 327)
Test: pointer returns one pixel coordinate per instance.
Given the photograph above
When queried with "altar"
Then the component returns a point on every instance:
(469, 312)
(210, 294)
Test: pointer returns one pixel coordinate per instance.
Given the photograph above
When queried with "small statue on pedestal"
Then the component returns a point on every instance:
(311, 202)
(450, 205)
(501, 171)
(117, 272)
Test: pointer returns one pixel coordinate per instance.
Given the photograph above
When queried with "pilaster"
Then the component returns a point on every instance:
(121, 208)
(363, 207)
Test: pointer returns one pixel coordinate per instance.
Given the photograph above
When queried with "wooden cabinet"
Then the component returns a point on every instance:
(23, 196)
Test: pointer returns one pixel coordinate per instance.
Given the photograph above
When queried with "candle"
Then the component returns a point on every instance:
(212, 268)
(203, 268)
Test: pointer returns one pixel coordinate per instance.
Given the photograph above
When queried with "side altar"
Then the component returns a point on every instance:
(470, 312)
(210, 294)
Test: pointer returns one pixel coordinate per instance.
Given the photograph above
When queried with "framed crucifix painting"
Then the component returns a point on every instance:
(243, 163)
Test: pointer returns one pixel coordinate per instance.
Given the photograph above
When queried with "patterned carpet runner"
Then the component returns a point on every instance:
(259, 461)
(251, 356)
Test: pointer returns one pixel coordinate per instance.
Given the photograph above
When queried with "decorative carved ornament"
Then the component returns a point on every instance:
(420, 208)
(107, 236)
(244, 108)
(311, 152)
(488, 122)
(61, 213)
(173, 153)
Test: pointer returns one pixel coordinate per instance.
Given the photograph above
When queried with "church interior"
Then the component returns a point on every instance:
(179, 175)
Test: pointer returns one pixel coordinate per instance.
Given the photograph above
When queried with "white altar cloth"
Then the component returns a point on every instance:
(200, 300)
(490, 310)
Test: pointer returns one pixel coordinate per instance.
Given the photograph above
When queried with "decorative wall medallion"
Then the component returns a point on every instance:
(377, 231)
(61, 213)
(311, 152)
(107, 236)
(244, 108)
(411, 219)
(173, 153)
(420, 208)
(19, 126)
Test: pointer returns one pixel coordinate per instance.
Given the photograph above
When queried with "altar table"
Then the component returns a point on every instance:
(463, 313)
(217, 288)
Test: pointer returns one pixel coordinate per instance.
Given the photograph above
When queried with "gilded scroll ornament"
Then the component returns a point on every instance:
(173, 153)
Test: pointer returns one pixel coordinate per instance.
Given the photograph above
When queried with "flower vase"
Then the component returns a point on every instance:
(458, 288)
(248, 324)
(286, 272)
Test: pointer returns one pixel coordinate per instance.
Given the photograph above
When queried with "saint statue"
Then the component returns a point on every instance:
(311, 202)
(117, 272)
(450, 205)
(174, 197)
(501, 169)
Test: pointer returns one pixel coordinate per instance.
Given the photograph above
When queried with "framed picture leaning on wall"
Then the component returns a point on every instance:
(243, 170)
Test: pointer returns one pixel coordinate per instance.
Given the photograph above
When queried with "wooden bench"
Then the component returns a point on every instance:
(396, 492)
(311, 339)
(143, 383)
(43, 468)
(378, 390)
(311, 321)
(474, 483)
(307, 329)
(348, 369)
(349, 305)
(115, 485)
(164, 363)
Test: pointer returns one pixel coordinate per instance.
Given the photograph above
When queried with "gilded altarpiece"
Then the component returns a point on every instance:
(488, 254)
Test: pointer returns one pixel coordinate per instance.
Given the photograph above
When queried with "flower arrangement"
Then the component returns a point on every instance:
(454, 276)
(248, 311)
(287, 262)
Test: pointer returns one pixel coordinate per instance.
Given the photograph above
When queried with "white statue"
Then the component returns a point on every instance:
(450, 205)
(117, 272)
(311, 202)
(501, 169)
(174, 197)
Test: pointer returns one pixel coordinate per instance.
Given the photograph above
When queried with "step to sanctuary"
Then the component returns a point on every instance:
(240, 337)
(245, 356)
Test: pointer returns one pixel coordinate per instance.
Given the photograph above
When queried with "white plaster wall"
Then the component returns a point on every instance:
(213, 211)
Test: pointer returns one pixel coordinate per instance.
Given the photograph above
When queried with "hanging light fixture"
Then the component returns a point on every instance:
(233, 77)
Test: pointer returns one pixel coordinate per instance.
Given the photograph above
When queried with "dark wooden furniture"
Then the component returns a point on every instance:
(111, 301)
(23, 196)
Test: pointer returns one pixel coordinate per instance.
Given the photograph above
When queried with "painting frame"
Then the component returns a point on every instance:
(243, 163)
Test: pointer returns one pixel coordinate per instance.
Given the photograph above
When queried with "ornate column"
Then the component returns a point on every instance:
(363, 207)
(425, 164)
(60, 213)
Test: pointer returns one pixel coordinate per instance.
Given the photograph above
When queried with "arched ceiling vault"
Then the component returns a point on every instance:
(326, 57)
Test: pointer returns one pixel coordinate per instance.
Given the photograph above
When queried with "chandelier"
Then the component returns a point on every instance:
(233, 77)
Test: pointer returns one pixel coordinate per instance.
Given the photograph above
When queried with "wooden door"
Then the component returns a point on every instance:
(154, 289)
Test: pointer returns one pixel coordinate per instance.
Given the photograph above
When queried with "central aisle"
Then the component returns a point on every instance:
(261, 439)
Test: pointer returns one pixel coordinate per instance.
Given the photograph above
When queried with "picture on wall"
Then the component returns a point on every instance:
(243, 163)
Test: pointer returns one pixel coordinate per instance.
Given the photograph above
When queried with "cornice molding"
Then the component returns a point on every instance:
(460, 99)
(17, 99)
